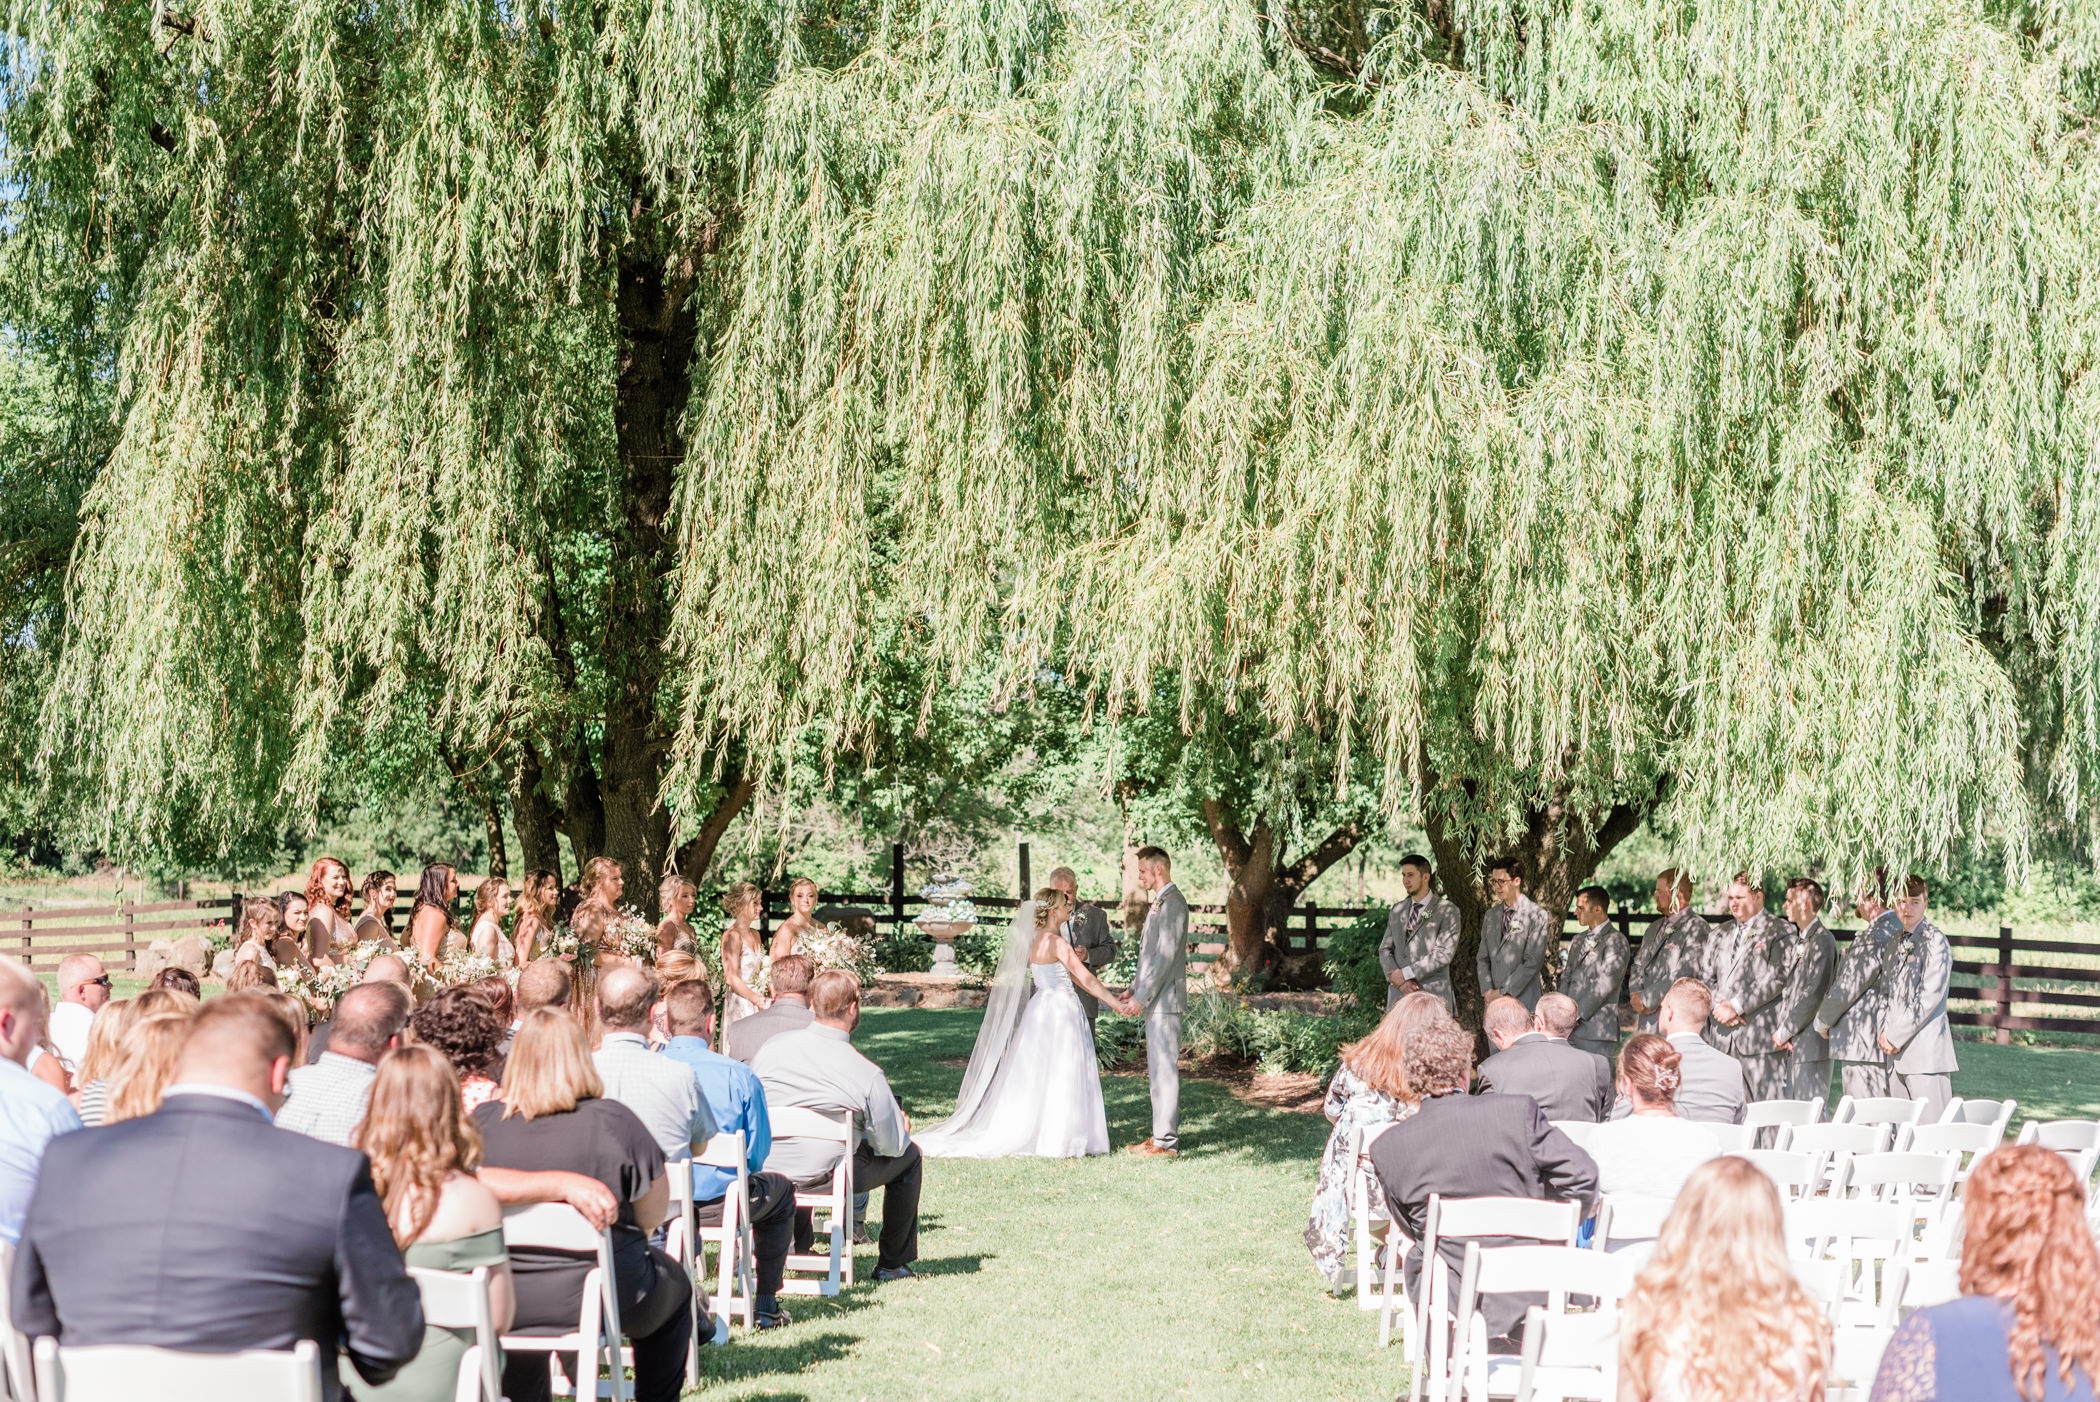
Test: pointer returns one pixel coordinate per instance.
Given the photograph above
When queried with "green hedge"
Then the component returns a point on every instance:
(1352, 959)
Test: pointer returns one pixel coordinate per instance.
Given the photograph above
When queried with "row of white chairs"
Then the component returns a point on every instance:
(461, 1300)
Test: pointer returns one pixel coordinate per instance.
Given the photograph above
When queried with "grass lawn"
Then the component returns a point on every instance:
(1112, 1277)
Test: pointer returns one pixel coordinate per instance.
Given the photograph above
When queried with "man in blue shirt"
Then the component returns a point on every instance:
(738, 1102)
(31, 1112)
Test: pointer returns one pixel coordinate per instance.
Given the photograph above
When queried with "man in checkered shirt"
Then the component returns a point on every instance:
(326, 1100)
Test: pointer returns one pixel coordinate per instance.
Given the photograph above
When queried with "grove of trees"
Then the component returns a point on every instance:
(1538, 418)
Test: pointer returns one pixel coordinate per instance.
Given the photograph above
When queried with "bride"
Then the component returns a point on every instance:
(1032, 1087)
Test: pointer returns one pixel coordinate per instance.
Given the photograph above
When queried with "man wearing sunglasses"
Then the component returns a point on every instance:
(83, 986)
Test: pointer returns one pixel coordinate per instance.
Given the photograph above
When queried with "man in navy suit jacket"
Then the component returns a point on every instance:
(203, 1227)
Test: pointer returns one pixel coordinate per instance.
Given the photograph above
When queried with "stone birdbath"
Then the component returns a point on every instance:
(948, 914)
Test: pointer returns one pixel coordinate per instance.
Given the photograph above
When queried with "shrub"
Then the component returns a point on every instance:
(1352, 959)
(903, 949)
(1276, 1039)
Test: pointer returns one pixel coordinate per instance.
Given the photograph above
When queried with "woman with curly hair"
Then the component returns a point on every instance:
(424, 1151)
(328, 910)
(376, 921)
(538, 896)
(674, 896)
(2027, 1327)
(460, 1023)
(486, 938)
(1718, 1315)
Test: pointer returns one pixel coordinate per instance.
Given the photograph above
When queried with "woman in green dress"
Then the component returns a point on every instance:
(424, 1152)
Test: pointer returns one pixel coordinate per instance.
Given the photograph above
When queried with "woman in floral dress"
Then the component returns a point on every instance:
(1369, 1089)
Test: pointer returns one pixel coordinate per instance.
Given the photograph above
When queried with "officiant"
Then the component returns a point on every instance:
(1087, 932)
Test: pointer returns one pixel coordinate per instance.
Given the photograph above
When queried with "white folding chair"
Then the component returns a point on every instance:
(1924, 1183)
(556, 1226)
(835, 1201)
(1729, 1138)
(1796, 1175)
(1581, 1132)
(1371, 1228)
(17, 1372)
(1878, 1110)
(129, 1372)
(1625, 1218)
(1777, 1115)
(1577, 1355)
(1834, 1143)
(1966, 1143)
(1995, 1113)
(736, 1255)
(1932, 1283)
(460, 1300)
(1871, 1243)
(2077, 1140)
(1455, 1218)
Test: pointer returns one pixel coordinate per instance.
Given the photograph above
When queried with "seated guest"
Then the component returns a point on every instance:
(1717, 1314)
(31, 1112)
(1711, 1088)
(424, 1152)
(737, 1101)
(1369, 1089)
(327, 1099)
(496, 990)
(665, 1094)
(298, 1249)
(818, 1068)
(2027, 1325)
(1470, 1146)
(545, 983)
(251, 974)
(179, 979)
(789, 1011)
(294, 1013)
(1650, 1152)
(1536, 1059)
(83, 988)
(672, 967)
(105, 1049)
(553, 1115)
(158, 1002)
(386, 968)
(460, 1023)
(146, 1067)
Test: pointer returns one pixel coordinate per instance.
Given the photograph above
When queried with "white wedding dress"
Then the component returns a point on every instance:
(1033, 1088)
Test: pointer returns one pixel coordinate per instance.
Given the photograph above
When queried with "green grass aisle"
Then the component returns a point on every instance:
(1103, 1277)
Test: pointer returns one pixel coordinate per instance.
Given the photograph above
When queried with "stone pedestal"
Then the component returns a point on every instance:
(943, 933)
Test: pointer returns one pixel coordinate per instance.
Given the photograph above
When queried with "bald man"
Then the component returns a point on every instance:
(664, 1094)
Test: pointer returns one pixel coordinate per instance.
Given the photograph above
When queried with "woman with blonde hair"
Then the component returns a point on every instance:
(1717, 1315)
(554, 1115)
(673, 967)
(743, 956)
(802, 905)
(491, 906)
(157, 1002)
(107, 1036)
(538, 896)
(146, 1067)
(1369, 1089)
(424, 1153)
(2027, 1327)
(249, 974)
(674, 896)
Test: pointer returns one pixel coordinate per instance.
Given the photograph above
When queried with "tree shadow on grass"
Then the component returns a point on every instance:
(787, 1351)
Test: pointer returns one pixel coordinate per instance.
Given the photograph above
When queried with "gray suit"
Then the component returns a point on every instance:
(1914, 978)
(1087, 931)
(1673, 948)
(1567, 1082)
(1853, 1008)
(1811, 963)
(1749, 967)
(1419, 943)
(1591, 975)
(1513, 945)
(1710, 1087)
(1162, 986)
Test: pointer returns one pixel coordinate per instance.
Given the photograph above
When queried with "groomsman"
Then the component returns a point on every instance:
(1811, 965)
(1851, 1014)
(1514, 937)
(1594, 969)
(1421, 935)
(1915, 970)
(1673, 948)
(1749, 962)
(1162, 986)
(1086, 931)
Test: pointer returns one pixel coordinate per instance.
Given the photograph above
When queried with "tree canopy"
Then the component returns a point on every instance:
(1543, 414)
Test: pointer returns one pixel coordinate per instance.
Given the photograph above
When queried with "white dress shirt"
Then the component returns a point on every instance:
(819, 1069)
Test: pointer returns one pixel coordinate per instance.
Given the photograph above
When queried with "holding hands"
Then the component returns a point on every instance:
(1127, 1005)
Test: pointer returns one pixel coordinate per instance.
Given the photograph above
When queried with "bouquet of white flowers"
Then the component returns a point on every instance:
(631, 934)
(832, 947)
(462, 968)
(319, 985)
(561, 942)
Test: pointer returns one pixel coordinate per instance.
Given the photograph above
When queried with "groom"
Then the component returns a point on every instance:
(1162, 986)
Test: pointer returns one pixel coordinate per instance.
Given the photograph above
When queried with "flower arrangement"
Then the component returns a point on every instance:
(832, 947)
(631, 934)
(948, 899)
(319, 985)
(461, 968)
(561, 942)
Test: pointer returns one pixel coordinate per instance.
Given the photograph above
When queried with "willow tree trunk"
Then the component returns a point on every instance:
(1263, 887)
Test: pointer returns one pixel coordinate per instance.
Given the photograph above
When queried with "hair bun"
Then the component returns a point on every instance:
(1668, 1079)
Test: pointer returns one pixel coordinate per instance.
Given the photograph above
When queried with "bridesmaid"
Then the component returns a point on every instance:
(290, 939)
(537, 899)
(430, 919)
(675, 897)
(491, 905)
(802, 899)
(743, 952)
(376, 921)
(328, 910)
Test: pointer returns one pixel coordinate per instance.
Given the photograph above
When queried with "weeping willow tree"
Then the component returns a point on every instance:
(1546, 415)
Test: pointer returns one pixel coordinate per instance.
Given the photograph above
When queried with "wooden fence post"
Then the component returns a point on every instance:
(2005, 988)
(27, 946)
(1026, 890)
(131, 937)
(1312, 925)
(896, 888)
